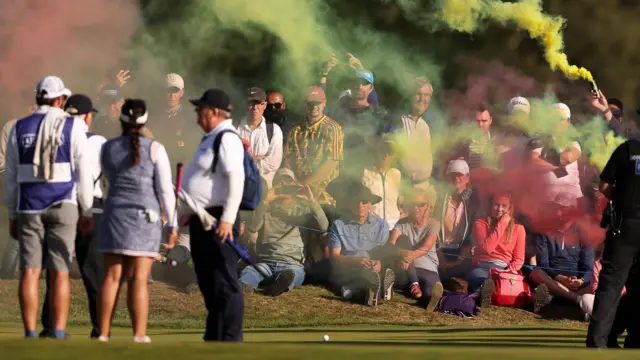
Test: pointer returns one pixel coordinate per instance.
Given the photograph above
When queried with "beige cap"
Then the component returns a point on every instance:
(175, 80)
(519, 103)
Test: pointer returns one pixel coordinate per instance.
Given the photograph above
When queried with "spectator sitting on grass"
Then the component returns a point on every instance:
(457, 212)
(564, 263)
(499, 244)
(355, 241)
(280, 245)
(417, 236)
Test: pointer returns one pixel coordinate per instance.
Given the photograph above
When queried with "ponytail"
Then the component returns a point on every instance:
(133, 119)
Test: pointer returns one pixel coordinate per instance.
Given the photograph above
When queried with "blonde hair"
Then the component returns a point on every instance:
(511, 224)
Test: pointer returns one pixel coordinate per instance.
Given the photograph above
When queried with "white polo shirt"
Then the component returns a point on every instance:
(94, 147)
(224, 186)
(260, 146)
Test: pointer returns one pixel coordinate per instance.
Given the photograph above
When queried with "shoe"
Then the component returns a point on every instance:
(283, 282)
(103, 339)
(415, 292)
(387, 284)
(586, 303)
(373, 289)
(486, 291)
(542, 298)
(247, 289)
(436, 294)
(47, 334)
(94, 334)
(142, 340)
(346, 293)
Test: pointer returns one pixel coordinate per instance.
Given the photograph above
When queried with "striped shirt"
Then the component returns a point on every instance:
(309, 146)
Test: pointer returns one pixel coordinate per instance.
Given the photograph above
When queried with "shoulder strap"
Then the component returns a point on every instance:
(269, 131)
(216, 147)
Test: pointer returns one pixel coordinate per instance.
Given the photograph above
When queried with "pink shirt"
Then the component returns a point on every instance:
(491, 245)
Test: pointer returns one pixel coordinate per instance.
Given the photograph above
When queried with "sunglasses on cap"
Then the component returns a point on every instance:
(274, 106)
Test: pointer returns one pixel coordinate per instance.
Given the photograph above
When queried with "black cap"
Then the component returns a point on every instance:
(79, 104)
(257, 94)
(214, 98)
(617, 103)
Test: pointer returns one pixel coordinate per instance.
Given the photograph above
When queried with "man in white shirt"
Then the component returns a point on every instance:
(415, 155)
(47, 176)
(89, 259)
(562, 175)
(265, 138)
(220, 192)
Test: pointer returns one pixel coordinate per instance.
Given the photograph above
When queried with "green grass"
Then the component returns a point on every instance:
(292, 327)
(380, 342)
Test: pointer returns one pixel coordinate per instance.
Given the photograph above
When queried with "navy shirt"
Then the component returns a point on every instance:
(559, 257)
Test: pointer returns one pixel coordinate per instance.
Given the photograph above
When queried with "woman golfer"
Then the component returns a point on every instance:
(138, 180)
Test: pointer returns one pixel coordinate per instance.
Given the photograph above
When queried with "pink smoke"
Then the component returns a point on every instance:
(490, 83)
(77, 40)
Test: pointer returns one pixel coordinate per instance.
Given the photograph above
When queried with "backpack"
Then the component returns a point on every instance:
(511, 289)
(252, 192)
(460, 304)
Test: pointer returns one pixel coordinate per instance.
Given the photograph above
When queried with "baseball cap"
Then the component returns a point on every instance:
(79, 104)
(111, 93)
(316, 94)
(52, 87)
(519, 103)
(458, 166)
(617, 103)
(214, 98)
(175, 80)
(365, 74)
(284, 172)
(564, 110)
(257, 94)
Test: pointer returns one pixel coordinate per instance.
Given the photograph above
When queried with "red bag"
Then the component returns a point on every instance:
(511, 288)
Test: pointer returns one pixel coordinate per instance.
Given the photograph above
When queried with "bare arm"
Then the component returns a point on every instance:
(605, 189)
(570, 156)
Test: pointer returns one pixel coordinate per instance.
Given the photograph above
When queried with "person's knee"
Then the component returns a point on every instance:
(537, 276)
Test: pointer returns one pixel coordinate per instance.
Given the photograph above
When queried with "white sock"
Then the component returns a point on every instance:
(143, 340)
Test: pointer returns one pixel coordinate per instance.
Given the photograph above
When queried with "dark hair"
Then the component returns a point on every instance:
(41, 101)
(133, 108)
(483, 107)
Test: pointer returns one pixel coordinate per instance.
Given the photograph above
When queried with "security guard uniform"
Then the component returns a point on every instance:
(622, 248)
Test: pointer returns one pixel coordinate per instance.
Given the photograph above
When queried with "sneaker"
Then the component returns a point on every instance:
(346, 293)
(415, 292)
(542, 298)
(586, 303)
(142, 340)
(373, 289)
(486, 291)
(436, 294)
(191, 288)
(283, 282)
(247, 289)
(387, 284)
(104, 338)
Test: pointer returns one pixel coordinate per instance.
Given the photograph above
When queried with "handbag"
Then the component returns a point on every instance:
(511, 288)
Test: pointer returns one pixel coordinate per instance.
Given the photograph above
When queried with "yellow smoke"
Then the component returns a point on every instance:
(467, 16)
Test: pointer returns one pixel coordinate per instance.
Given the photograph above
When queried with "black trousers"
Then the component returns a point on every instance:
(92, 271)
(215, 265)
(425, 278)
(619, 266)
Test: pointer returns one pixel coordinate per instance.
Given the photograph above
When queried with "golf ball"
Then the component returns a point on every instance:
(326, 338)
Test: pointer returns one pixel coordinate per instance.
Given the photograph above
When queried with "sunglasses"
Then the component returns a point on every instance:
(313, 103)
(173, 90)
(422, 204)
(274, 106)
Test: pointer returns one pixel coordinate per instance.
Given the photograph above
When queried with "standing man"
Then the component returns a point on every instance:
(314, 147)
(620, 183)
(47, 177)
(277, 113)
(107, 123)
(265, 138)
(89, 260)
(220, 192)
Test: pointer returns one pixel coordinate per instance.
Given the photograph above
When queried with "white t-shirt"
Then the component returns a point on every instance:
(569, 184)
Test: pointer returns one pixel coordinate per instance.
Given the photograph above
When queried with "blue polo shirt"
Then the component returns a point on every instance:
(355, 239)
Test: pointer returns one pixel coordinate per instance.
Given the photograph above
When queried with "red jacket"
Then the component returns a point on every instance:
(492, 244)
